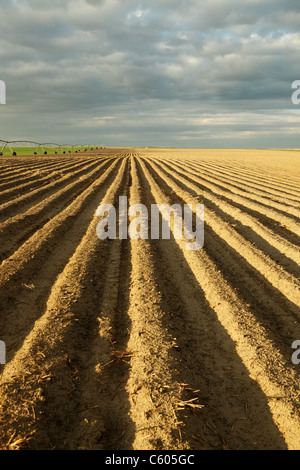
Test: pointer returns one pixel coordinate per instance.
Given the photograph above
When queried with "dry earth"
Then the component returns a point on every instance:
(142, 344)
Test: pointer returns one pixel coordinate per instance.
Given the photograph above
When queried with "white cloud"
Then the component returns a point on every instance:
(212, 63)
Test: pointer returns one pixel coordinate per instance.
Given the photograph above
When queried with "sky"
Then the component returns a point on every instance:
(190, 73)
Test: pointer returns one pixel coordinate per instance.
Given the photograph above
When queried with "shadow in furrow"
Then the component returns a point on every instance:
(235, 413)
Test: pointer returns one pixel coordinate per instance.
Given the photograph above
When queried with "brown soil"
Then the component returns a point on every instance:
(142, 344)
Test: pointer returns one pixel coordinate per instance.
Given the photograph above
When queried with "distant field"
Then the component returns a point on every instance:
(142, 344)
(21, 151)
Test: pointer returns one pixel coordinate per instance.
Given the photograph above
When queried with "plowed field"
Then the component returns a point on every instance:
(142, 344)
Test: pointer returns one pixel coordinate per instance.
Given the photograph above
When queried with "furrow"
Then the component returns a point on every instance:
(233, 412)
(28, 272)
(137, 342)
(271, 307)
(288, 239)
(16, 230)
(38, 181)
(152, 392)
(248, 185)
(265, 174)
(57, 353)
(28, 165)
(268, 365)
(288, 214)
(286, 180)
(278, 248)
(284, 282)
(27, 200)
(39, 171)
(103, 419)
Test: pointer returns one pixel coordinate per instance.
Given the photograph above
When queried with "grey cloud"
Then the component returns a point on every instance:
(71, 63)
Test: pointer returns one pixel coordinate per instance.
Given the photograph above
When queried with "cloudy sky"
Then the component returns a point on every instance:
(190, 73)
